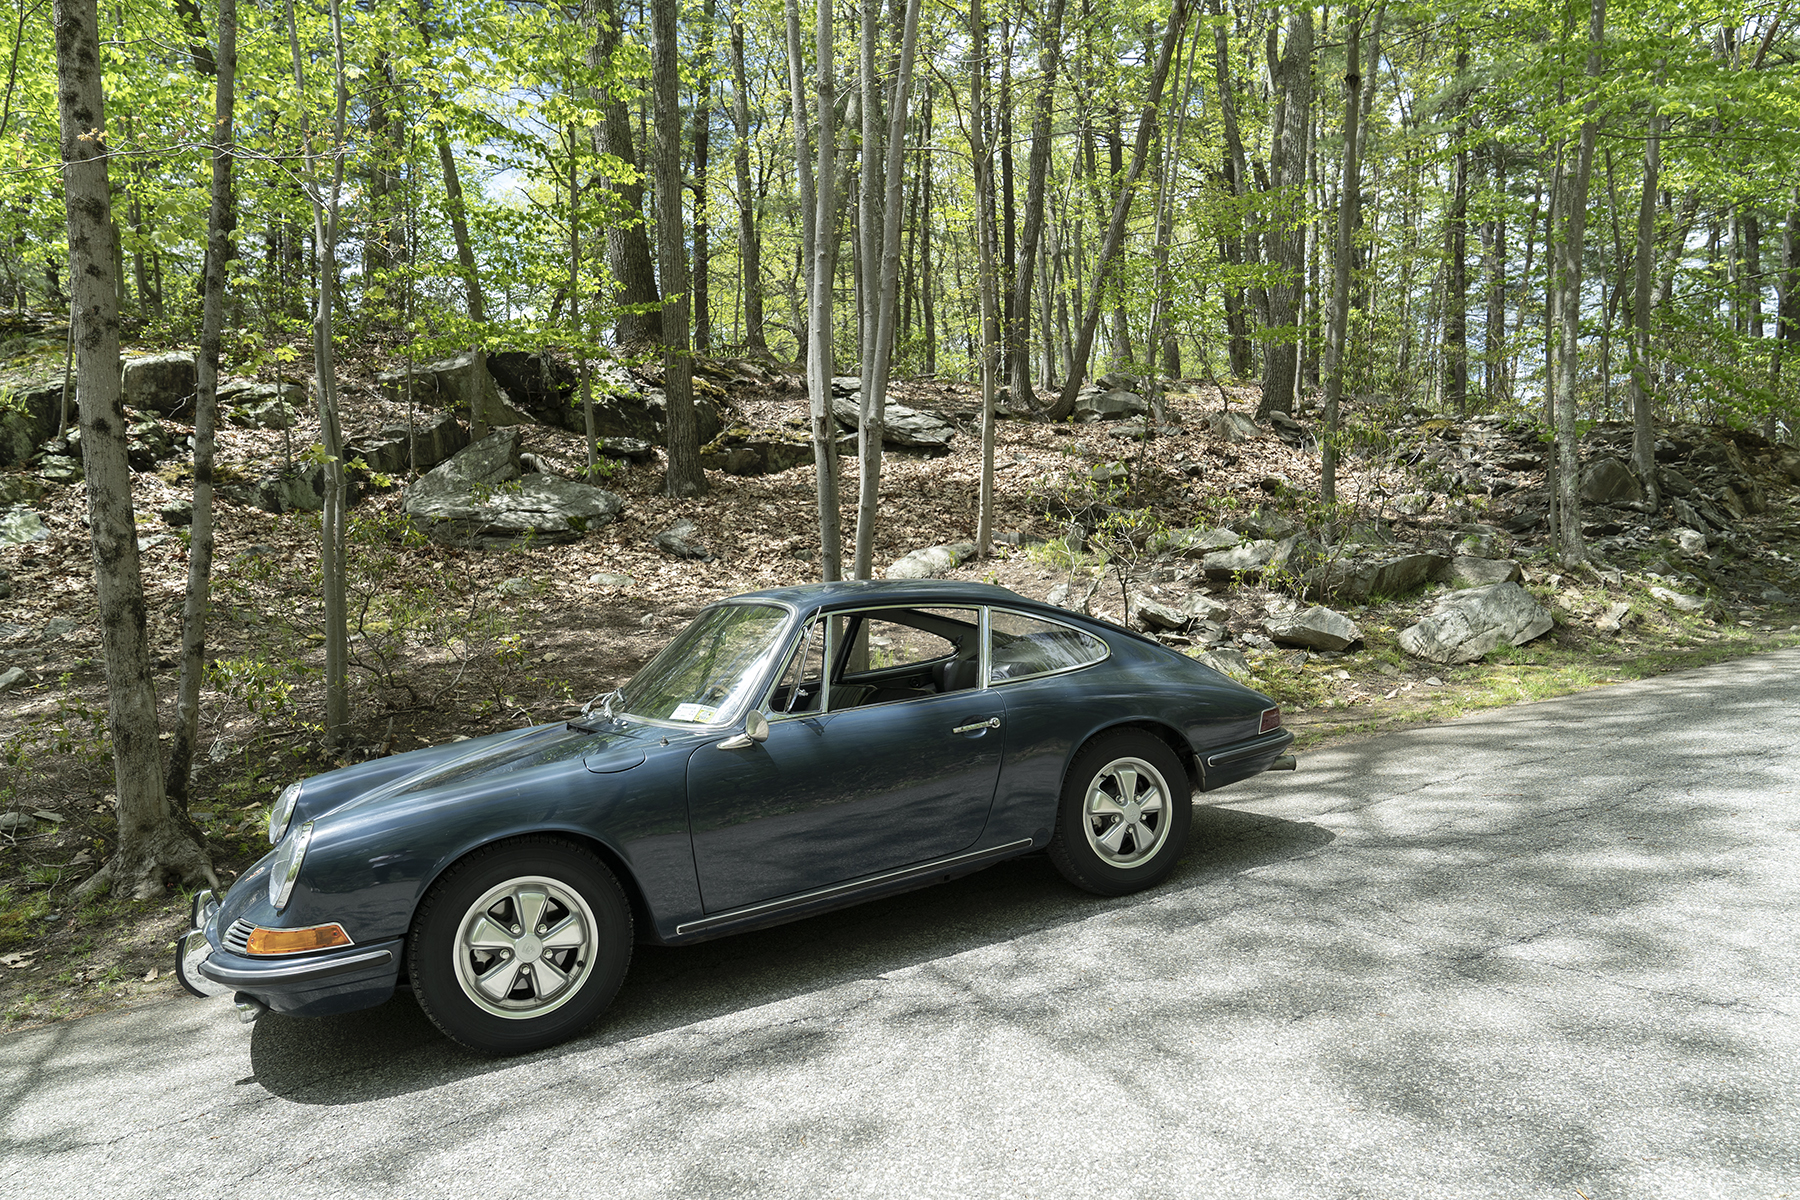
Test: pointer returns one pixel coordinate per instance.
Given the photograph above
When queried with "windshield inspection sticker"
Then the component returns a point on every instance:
(698, 713)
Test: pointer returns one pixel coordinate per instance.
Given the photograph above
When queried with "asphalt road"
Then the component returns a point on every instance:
(1543, 952)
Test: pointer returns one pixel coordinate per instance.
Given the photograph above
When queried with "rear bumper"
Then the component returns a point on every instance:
(1240, 760)
(335, 981)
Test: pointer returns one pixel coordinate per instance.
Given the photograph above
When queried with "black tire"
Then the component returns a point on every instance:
(520, 945)
(1110, 843)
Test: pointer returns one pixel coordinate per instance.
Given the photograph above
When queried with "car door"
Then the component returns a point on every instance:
(900, 776)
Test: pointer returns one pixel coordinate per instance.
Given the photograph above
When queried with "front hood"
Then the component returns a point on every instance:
(617, 748)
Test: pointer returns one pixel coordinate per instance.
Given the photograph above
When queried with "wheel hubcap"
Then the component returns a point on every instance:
(1126, 813)
(524, 948)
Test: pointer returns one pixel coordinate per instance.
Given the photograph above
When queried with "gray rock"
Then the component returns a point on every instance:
(1675, 483)
(299, 489)
(179, 511)
(1251, 558)
(1226, 662)
(57, 628)
(6, 590)
(1483, 541)
(1463, 626)
(1775, 595)
(21, 525)
(1153, 615)
(1203, 607)
(611, 579)
(480, 497)
(14, 677)
(248, 393)
(16, 487)
(1467, 571)
(30, 420)
(678, 539)
(1109, 406)
(1613, 619)
(1198, 543)
(273, 413)
(1691, 541)
(901, 426)
(541, 509)
(627, 449)
(1234, 427)
(160, 383)
(931, 560)
(742, 451)
(1317, 628)
(1413, 503)
(1689, 516)
(59, 468)
(1608, 480)
(1679, 600)
(1353, 580)
(14, 822)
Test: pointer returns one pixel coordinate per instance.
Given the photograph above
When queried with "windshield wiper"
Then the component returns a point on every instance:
(606, 711)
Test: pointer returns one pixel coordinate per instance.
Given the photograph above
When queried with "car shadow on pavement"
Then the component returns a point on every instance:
(394, 1049)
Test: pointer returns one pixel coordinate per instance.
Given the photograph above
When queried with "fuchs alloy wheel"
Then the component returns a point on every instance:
(1122, 824)
(520, 946)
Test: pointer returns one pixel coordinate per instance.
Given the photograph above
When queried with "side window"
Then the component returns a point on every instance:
(890, 643)
(893, 654)
(1025, 646)
(801, 684)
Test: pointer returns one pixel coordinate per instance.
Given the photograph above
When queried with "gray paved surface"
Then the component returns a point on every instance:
(1548, 951)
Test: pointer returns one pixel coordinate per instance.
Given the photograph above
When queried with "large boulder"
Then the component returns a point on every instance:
(30, 420)
(1354, 579)
(1608, 481)
(161, 383)
(1115, 405)
(1316, 628)
(1249, 559)
(397, 449)
(931, 560)
(1234, 426)
(1198, 543)
(1462, 626)
(540, 385)
(743, 451)
(907, 428)
(1466, 571)
(479, 497)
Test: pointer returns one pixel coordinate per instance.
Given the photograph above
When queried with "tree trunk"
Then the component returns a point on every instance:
(1569, 542)
(219, 223)
(823, 249)
(1292, 75)
(685, 476)
(1019, 315)
(702, 150)
(627, 240)
(325, 237)
(153, 842)
(749, 240)
(987, 285)
(1643, 417)
(927, 281)
(1115, 233)
(1349, 199)
(1493, 249)
(1456, 316)
(887, 268)
(803, 172)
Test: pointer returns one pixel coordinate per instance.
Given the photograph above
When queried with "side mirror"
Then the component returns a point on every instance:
(756, 729)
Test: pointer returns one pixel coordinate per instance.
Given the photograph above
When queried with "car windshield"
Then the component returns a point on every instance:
(705, 673)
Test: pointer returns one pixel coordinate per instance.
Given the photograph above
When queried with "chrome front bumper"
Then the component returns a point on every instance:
(193, 948)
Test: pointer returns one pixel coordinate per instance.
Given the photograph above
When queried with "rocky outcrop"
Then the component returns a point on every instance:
(901, 427)
(1316, 628)
(1357, 576)
(744, 451)
(161, 383)
(480, 497)
(30, 420)
(931, 560)
(1462, 626)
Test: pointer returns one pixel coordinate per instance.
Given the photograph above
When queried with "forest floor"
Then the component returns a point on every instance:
(451, 643)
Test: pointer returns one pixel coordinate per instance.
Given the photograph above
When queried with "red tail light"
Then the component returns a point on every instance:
(1271, 719)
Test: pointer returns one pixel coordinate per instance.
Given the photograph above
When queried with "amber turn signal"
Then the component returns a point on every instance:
(296, 941)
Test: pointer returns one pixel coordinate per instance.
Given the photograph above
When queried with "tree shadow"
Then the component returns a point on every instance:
(394, 1049)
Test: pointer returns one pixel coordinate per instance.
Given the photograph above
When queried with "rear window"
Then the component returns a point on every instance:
(1026, 646)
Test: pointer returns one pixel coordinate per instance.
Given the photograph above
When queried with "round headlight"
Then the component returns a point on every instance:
(283, 812)
(287, 866)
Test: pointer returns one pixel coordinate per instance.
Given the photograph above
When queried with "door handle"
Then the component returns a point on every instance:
(990, 723)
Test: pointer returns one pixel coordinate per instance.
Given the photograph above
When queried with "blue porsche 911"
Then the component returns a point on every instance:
(791, 751)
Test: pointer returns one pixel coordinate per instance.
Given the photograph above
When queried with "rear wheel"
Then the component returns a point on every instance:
(520, 946)
(1122, 824)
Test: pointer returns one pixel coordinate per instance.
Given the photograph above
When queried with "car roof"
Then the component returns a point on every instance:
(911, 591)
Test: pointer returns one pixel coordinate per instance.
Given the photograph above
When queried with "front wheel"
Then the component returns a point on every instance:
(520, 946)
(1122, 824)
